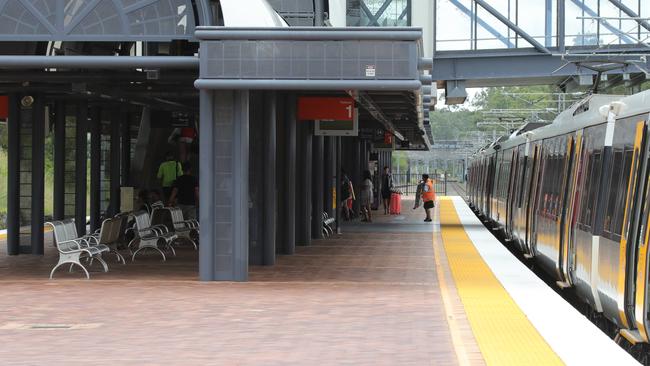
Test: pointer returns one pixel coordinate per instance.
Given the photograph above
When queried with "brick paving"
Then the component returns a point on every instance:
(362, 298)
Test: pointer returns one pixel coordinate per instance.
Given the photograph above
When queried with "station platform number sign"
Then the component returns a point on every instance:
(333, 116)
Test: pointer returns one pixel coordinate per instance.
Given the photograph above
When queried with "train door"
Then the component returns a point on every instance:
(614, 224)
(566, 200)
(547, 240)
(531, 201)
(636, 292)
(573, 206)
(510, 197)
(494, 209)
(521, 192)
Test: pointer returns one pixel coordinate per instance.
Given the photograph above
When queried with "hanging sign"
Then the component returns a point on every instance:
(325, 108)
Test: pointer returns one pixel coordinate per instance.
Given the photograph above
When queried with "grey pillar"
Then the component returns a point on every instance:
(38, 175)
(270, 188)
(95, 166)
(256, 176)
(114, 169)
(317, 201)
(329, 184)
(224, 185)
(207, 184)
(337, 180)
(304, 184)
(81, 158)
(289, 179)
(125, 131)
(13, 176)
(59, 161)
(355, 174)
(319, 15)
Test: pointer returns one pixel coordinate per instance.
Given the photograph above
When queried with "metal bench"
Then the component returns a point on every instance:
(150, 236)
(108, 235)
(327, 225)
(185, 229)
(72, 249)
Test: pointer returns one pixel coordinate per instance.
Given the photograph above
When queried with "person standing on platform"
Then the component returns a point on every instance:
(168, 172)
(428, 195)
(186, 190)
(365, 194)
(347, 195)
(386, 189)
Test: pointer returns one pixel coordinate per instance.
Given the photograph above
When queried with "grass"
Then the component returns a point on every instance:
(49, 188)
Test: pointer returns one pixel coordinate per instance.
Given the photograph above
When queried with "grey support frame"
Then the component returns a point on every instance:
(292, 59)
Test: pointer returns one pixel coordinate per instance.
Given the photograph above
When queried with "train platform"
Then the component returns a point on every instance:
(396, 292)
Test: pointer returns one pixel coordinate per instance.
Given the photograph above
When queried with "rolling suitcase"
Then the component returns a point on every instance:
(395, 204)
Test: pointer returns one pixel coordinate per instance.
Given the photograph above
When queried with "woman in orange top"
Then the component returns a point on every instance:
(428, 195)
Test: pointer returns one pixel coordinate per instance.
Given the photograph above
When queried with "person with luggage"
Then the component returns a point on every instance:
(347, 196)
(365, 195)
(428, 196)
(386, 189)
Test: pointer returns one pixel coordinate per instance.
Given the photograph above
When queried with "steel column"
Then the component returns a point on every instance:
(125, 165)
(208, 184)
(95, 167)
(561, 26)
(317, 193)
(114, 169)
(59, 161)
(329, 185)
(256, 176)
(337, 178)
(38, 175)
(355, 174)
(270, 187)
(224, 186)
(303, 184)
(289, 186)
(13, 176)
(319, 15)
(81, 157)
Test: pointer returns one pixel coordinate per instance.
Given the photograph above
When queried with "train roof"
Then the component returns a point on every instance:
(580, 115)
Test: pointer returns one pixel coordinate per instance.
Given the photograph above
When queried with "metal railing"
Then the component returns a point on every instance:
(408, 183)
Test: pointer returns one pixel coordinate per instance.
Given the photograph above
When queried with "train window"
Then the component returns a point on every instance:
(622, 192)
(614, 187)
(584, 188)
(596, 167)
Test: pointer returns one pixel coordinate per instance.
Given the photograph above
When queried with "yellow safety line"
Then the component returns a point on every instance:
(454, 329)
(503, 333)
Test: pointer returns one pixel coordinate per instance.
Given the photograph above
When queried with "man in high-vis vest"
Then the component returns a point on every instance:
(428, 195)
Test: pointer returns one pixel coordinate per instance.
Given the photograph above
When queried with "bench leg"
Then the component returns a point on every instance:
(72, 259)
(144, 244)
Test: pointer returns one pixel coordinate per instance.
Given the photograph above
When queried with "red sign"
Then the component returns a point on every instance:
(4, 107)
(325, 109)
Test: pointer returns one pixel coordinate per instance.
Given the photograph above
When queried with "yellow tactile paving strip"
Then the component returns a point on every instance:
(504, 335)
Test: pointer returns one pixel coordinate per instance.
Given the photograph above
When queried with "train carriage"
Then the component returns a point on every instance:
(572, 196)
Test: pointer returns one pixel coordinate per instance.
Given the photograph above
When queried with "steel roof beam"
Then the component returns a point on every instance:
(629, 12)
(98, 62)
(513, 26)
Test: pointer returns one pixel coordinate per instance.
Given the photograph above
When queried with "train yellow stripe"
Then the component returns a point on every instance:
(504, 335)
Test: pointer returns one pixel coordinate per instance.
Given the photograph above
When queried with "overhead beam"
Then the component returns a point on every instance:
(624, 37)
(97, 62)
(513, 26)
(507, 69)
(459, 5)
(631, 13)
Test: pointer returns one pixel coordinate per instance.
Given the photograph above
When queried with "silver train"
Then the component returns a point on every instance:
(574, 196)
